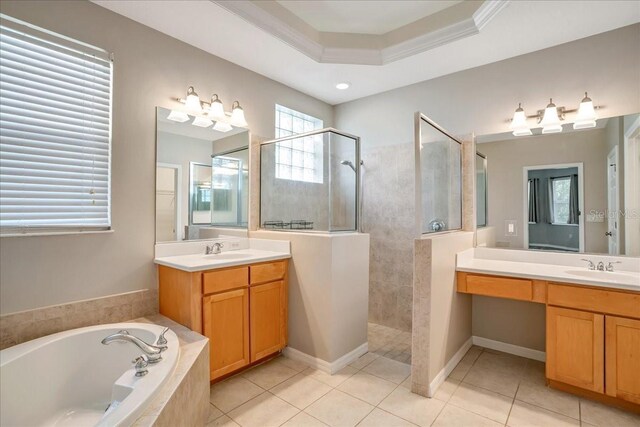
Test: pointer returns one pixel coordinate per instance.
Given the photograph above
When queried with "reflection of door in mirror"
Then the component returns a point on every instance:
(554, 207)
(200, 188)
(631, 125)
(167, 202)
(613, 201)
(230, 186)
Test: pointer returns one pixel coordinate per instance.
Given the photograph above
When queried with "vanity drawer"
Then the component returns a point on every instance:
(501, 287)
(598, 300)
(268, 272)
(223, 280)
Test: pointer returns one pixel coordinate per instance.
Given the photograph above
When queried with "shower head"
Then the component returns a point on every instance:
(348, 163)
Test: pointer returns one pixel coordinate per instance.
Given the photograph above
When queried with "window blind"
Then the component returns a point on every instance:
(55, 132)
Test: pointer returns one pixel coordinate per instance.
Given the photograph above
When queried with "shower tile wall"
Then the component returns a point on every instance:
(389, 218)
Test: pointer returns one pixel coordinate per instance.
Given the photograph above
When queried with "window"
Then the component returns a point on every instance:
(298, 159)
(55, 132)
(560, 188)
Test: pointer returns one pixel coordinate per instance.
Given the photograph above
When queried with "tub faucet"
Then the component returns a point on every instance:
(153, 352)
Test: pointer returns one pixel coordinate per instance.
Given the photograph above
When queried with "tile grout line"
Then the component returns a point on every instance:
(512, 404)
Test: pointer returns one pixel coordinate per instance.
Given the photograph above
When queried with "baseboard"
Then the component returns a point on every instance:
(323, 365)
(510, 348)
(450, 366)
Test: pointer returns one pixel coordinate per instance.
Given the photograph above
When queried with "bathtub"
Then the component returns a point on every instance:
(72, 379)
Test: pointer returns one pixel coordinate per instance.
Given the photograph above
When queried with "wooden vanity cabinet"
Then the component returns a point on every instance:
(241, 309)
(575, 348)
(593, 333)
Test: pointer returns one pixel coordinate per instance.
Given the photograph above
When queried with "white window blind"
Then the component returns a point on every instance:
(55, 132)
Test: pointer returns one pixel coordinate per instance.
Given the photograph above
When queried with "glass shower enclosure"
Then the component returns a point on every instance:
(310, 182)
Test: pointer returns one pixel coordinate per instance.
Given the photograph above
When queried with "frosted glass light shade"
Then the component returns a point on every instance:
(221, 126)
(193, 101)
(216, 111)
(202, 122)
(519, 123)
(178, 116)
(237, 116)
(586, 114)
(550, 121)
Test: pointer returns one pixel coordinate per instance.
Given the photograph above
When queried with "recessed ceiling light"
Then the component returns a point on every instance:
(342, 86)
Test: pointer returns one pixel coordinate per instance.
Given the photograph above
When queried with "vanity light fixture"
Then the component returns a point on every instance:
(221, 126)
(586, 114)
(178, 116)
(193, 101)
(202, 122)
(519, 123)
(343, 86)
(216, 110)
(550, 120)
(237, 115)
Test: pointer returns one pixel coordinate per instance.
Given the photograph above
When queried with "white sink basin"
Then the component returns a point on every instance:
(226, 256)
(601, 275)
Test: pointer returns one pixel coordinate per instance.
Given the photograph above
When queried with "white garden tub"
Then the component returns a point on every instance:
(72, 379)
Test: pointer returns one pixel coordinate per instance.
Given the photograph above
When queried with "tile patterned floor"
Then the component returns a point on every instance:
(487, 388)
(390, 343)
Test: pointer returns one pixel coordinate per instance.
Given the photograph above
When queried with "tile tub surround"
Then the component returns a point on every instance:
(549, 266)
(474, 395)
(16, 328)
(184, 398)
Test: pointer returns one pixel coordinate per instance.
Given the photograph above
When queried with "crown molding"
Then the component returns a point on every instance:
(304, 43)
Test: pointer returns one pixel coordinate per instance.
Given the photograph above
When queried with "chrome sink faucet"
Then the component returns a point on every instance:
(153, 352)
(600, 266)
(214, 249)
(610, 265)
(590, 265)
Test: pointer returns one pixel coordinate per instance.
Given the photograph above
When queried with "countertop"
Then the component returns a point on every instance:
(201, 262)
(578, 274)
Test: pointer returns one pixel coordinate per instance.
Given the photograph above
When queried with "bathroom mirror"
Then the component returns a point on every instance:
(202, 177)
(439, 178)
(572, 191)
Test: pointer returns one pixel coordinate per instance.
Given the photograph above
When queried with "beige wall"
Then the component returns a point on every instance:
(505, 163)
(149, 69)
(478, 100)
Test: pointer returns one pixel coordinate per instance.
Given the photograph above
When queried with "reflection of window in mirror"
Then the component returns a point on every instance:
(481, 190)
(200, 194)
(560, 199)
(298, 159)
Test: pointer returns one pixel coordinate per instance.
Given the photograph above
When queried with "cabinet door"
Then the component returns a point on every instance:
(575, 348)
(268, 319)
(623, 358)
(226, 324)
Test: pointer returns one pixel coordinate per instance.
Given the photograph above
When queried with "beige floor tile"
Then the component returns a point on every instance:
(367, 387)
(411, 407)
(331, 380)
(605, 416)
(446, 390)
(525, 415)
(214, 413)
(380, 418)
(301, 390)
(482, 402)
(501, 381)
(501, 362)
(389, 370)
(364, 360)
(292, 364)
(303, 420)
(452, 416)
(338, 409)
(547, 398)
(534, 372)
(222, 421)
(472, 354)
(265, 410)
(460, 371)
(406, 383)
(269, 374)
(233, 392)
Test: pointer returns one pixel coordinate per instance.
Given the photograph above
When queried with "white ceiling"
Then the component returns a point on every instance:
(522, 27)
(362, 17)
